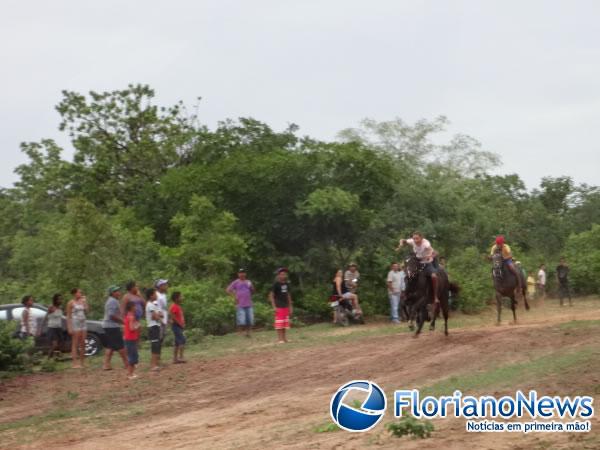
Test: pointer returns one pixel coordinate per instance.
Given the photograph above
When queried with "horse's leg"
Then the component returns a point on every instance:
(445, 308)
(421, 314)
(434, 313)
(498, 307)
(513, 306)
(411, 317)
(525, 298)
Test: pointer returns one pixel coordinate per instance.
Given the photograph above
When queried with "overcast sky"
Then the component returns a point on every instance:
(521, 76)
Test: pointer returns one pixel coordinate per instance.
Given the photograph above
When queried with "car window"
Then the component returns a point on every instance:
(3, 314)
(37, 312)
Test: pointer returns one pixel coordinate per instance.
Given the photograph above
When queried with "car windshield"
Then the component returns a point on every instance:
(38, 311)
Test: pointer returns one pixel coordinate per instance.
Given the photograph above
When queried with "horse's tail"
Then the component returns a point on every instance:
(454, 288)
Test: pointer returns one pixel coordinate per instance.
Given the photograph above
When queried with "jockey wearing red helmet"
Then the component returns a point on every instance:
(503, 248)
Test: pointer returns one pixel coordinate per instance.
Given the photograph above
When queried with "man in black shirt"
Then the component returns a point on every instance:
(281, 300)
(562, 276)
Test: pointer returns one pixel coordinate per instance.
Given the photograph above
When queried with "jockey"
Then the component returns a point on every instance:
(426, 255)
(507, 256)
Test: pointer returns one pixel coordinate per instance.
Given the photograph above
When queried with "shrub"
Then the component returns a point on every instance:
(14, 353)
(409, 426)
(473, 273)
(313, 305)
(583, 254)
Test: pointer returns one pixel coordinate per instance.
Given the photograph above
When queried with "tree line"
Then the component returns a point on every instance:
(152, 192)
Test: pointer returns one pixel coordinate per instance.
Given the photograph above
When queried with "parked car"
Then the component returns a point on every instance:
(95, 332)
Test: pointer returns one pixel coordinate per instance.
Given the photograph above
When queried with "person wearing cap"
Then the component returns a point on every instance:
(112, 327)
(162, 286)
(281, 300)
(502, 247)
(242, 289)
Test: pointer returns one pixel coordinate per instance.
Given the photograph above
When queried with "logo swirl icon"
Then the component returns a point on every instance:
(363, 418)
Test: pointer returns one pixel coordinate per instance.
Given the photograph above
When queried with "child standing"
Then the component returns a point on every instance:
(154, 316)
(178, 325)
(131, 336)
(281, 300)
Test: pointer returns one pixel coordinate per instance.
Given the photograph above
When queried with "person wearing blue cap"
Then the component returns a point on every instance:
(113, 320)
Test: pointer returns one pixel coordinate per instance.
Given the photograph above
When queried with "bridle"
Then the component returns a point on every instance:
(497, 263)
(413, 266)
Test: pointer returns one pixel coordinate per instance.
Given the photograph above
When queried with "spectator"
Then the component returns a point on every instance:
(395, 286)
(55, 329)
(351, 278)
(131, 334)
(162, 286)
(341, 291)
(153, 321)
(242, 289)
(442, 262)
(562, 276)
(77, 327)
(178, 327)
(28, 321)
(113, 319)
(541, 282)
(133, 295)
(281, 300)
(530, 286)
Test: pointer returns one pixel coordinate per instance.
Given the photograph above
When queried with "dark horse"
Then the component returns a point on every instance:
(507, 285)
(419, 294)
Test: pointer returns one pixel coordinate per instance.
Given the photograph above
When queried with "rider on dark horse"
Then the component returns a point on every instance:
(426, 255)
(503, 248)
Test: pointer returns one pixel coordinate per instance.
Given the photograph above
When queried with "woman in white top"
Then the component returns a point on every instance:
(76, 325)
(28, 321)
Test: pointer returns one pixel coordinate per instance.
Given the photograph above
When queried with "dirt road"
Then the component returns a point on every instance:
(278, 396)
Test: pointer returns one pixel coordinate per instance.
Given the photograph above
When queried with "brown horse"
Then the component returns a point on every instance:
(507, 285)
(419, 295)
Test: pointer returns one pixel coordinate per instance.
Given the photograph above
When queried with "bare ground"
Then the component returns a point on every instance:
(277, 396)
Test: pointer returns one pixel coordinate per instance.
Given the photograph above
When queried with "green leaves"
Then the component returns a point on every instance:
(209, 244)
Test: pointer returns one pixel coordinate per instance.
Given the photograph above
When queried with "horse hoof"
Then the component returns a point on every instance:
(415, 336)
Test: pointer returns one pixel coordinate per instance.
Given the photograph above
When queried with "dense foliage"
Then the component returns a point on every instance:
(152, 193)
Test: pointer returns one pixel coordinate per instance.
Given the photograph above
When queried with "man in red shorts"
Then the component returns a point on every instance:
(281, 300)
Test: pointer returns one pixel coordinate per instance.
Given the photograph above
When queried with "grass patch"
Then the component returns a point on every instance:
(327, 428)
(578, 324)
(509, 375)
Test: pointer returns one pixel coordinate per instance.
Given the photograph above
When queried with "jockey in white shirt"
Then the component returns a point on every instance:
(426, 255)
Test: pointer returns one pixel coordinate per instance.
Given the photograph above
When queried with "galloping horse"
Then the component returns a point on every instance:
(419, 294)
(506, 285)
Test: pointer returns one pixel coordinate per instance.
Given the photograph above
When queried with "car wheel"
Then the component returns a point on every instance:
(92, 345)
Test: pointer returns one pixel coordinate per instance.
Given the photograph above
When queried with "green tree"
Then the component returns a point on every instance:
(209, 245)
(122, 141)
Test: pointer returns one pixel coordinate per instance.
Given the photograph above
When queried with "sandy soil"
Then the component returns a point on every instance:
(276, 397)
